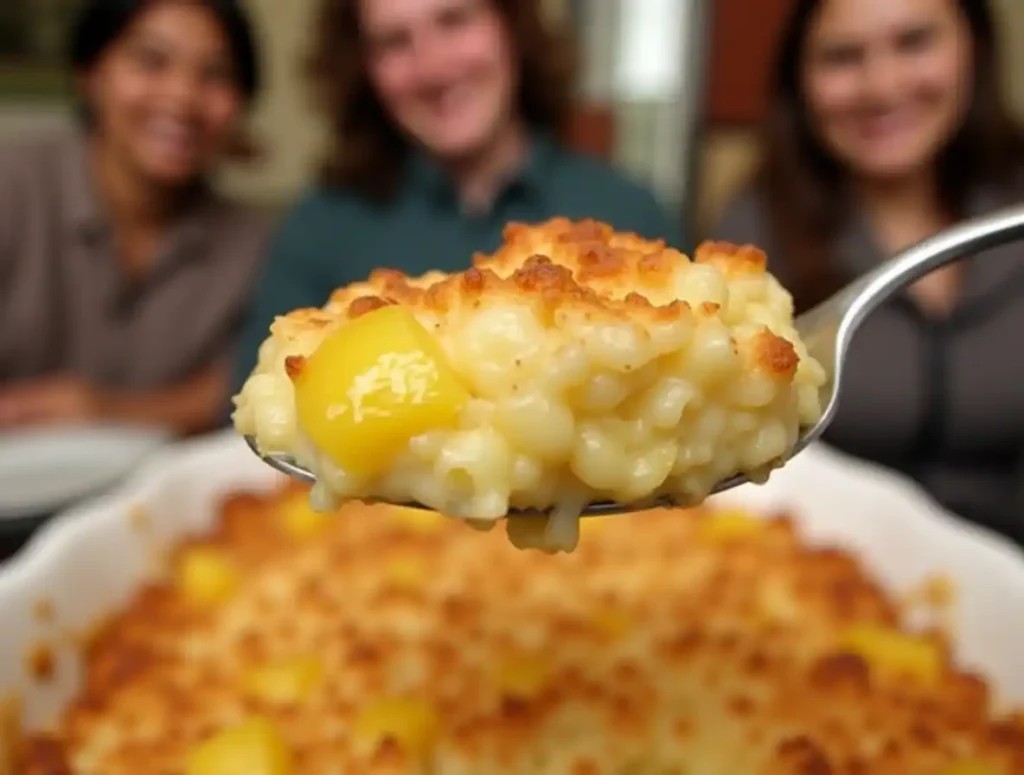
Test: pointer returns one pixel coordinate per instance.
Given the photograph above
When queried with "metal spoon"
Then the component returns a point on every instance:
(826, 330)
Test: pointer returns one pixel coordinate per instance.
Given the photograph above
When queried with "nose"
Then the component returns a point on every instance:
(181, 89)
(431, 58)
(881, 79)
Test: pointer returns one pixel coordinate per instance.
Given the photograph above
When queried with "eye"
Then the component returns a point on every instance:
(916, 39)
(389, 42)
(838, 56)
(455, 17)
(217, 73)
(149, 58)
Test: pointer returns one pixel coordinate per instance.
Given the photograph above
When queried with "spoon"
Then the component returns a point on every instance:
(826, 331)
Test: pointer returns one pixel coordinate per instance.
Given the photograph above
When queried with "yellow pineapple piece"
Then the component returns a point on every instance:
(285, 682)
(407, 572)
(252, 748)
(300, 520)
(417, 520)
(524, 676)
(410, 723)
(729, 525)
(612, 624)
(371, 386)
(893, 652)
(206, 575)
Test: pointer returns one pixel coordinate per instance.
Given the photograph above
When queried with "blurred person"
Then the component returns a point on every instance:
(123, 276)
(447, 118)
(887, 123)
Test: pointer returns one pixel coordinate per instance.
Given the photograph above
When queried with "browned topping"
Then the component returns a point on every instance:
(775, 355)
(732, 259)
(293, 365)
(40, 662)
(580, 270)
(650, 645)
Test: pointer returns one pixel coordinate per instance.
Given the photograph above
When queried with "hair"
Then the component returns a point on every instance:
(803, 185)
(367, 149)
(100, 23)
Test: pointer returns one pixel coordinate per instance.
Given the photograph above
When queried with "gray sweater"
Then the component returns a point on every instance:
(940, 401)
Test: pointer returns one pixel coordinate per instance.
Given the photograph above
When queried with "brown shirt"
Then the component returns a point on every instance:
(939, 400)
(66, 305)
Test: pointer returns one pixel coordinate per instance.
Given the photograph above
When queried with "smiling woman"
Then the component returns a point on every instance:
(123, 273)
(887, 123)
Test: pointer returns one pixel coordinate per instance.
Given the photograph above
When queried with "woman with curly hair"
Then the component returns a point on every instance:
(447, 121)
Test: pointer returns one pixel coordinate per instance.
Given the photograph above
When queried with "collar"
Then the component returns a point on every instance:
(84, 215)
(428, 175)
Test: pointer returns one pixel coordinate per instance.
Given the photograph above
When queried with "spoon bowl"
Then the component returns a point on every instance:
(826, 331)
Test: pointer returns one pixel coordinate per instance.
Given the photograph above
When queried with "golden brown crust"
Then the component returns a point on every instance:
(775, 355)
(662, 634)
(583, 267)
(10, 736)
(732, 260)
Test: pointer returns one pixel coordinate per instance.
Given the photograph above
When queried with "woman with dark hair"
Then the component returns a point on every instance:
(446, 119)
(123, 276)
(887, 123)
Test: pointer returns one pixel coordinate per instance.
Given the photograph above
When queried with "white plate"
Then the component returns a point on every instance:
(44, 470)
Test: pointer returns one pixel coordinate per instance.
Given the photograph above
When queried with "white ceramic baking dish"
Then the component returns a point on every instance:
(90, 560)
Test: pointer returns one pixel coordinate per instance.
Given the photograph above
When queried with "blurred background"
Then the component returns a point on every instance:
(671, 90)
(672, 93)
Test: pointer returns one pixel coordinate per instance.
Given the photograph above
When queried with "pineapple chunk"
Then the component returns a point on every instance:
(253, 748)
(894, 652)
(730, 525)
(371, 386)
(613, 625)
(285, 682)
(406, 572)
(524, 677)
(408, 722)
(417, 520)
(206, 575)
(299, 520)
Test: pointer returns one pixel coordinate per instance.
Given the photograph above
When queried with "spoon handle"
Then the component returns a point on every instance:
(863, 296)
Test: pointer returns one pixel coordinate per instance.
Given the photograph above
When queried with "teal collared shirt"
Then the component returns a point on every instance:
(332, 238)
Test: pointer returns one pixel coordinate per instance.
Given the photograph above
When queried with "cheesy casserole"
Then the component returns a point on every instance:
(384, 641)
(575, 364)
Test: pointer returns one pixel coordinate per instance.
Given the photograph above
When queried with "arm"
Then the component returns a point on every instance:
(188, 407)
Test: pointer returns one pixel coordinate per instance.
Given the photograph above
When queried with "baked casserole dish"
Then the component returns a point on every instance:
(384, 640)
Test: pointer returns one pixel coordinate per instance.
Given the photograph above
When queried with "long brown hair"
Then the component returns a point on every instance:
(802, 184)
(367, 149)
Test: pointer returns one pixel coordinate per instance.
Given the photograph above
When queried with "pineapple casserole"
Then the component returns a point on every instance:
(379, 640)
(576, 364)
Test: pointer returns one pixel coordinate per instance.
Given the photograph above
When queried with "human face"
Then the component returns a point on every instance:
(443, 70)
(887, 81)
(164, 95)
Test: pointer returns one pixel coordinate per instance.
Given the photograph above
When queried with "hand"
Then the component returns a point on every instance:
(49, 401)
